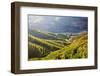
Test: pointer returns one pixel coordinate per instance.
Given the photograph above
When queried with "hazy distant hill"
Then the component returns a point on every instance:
(42, 34)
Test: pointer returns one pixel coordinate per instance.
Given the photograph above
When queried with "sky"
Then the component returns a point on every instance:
(58, 24)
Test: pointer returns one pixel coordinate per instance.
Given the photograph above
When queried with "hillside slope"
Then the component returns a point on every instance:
(76, 50)
(43, 34)
(42, 47)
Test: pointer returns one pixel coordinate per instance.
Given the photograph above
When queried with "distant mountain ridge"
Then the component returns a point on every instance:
(48, 35)
(42, 34)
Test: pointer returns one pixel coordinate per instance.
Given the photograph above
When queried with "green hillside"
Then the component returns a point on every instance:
(43, 34)
(75, 50)
(42, 47)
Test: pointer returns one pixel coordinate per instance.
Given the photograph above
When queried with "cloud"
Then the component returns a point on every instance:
(75, 24)
(38, 20)
(35, 19)
(58, 23)
(57, 18)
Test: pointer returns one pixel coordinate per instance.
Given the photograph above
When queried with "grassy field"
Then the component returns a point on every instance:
(48, 46)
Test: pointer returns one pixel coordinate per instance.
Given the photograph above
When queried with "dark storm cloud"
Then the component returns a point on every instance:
(59, 23)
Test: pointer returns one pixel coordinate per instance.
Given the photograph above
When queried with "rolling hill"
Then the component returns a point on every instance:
(75, 50)
(39, 47)
(43, 34)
